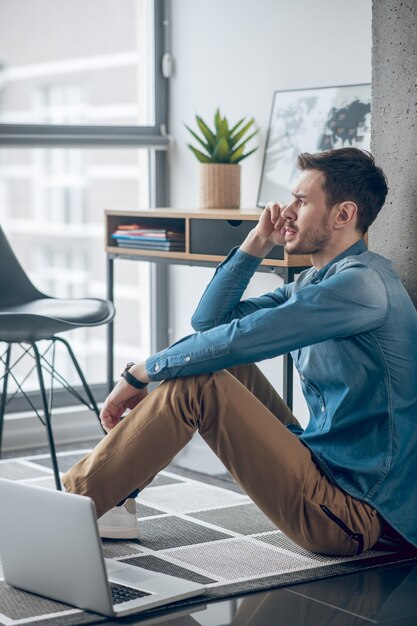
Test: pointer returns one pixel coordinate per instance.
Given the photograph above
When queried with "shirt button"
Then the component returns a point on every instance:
(302, 377)
(187, 358)
(156, 368)
(322, 409)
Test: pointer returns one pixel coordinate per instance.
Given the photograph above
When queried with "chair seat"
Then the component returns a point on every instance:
(26, 316)
(43, 317)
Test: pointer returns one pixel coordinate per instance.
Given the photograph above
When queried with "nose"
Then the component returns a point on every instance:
(288, 213)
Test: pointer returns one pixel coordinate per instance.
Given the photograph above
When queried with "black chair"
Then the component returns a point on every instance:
(28, 316)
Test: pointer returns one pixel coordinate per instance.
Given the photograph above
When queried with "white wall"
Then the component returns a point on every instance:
(235, 54)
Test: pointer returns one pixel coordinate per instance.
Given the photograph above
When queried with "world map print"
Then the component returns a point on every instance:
(311, 120)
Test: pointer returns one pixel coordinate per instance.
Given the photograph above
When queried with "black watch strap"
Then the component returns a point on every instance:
(132, 380)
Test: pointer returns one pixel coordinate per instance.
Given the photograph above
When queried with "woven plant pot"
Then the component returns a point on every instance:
(219, 185)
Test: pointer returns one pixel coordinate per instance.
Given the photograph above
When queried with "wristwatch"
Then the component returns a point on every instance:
(132, 380)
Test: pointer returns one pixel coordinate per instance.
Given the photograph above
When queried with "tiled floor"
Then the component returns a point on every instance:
(381, 596)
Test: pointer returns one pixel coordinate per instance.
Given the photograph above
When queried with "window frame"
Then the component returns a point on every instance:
(153, 137)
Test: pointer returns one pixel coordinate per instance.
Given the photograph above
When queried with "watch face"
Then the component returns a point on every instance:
(130, 364)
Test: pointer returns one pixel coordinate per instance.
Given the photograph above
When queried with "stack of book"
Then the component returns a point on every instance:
(149, 238)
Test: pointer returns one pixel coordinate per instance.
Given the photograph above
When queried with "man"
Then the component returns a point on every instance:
(349, 477)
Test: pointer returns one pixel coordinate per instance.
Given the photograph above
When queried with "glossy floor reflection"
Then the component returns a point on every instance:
(381, 596)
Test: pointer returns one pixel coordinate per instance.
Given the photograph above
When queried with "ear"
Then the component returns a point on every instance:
(345, 215)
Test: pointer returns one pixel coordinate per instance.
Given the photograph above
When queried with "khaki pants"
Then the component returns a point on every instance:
(243, 420)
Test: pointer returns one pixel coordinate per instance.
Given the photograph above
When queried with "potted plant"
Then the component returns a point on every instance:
(223, 148)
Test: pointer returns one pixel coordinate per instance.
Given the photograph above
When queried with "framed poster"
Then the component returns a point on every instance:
(311, 120)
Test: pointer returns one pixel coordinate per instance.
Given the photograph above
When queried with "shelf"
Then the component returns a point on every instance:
(209, 235)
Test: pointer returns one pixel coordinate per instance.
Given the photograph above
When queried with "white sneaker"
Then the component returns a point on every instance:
(120, 522)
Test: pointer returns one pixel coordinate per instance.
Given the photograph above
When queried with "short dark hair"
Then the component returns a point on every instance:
(350, 174)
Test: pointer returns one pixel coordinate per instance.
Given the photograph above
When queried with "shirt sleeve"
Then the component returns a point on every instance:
(221, 302)
(351, 302)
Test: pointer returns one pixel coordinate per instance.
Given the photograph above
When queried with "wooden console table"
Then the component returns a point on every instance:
(209, 235)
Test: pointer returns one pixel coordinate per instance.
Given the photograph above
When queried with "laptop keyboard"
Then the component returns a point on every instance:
(119, 593)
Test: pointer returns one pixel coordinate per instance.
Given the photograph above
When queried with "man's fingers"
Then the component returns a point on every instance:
(109, 417)
(106, 421)
(275, 209)
(281, 219)
(109, 423)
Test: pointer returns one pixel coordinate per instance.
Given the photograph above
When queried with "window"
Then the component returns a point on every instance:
(82, 106)
(79, 62)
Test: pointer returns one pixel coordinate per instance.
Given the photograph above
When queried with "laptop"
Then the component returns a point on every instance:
(49, 545)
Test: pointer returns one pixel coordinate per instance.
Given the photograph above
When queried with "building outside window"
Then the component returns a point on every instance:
(84, 62)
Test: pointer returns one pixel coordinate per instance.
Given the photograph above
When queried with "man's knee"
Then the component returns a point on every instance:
(190, 384)
(194, 399)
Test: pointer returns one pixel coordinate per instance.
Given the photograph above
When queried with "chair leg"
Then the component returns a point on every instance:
(82, 378)
(47, 417)
(4, 392)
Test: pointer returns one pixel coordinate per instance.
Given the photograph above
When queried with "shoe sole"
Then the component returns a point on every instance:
(118, 533)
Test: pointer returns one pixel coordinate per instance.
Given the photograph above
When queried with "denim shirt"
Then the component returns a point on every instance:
(352, 331)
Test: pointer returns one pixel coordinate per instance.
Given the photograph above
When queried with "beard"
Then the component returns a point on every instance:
(311, 242)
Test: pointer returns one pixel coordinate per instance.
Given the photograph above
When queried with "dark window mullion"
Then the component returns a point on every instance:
(159, 182)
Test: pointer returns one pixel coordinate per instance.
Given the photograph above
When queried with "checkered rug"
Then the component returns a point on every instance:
(193, 526)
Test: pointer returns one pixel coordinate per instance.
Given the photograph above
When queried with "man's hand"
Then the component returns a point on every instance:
(267, 233)
(271, 223)
(123, 397)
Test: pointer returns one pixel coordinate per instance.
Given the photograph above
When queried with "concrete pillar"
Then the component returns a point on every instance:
(394, 133)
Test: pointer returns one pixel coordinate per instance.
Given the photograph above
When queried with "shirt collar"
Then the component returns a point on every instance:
(357, 248)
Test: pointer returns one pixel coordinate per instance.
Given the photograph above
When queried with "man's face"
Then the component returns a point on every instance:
(306, 226)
